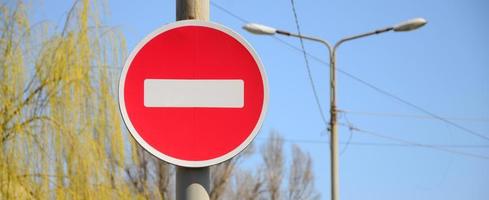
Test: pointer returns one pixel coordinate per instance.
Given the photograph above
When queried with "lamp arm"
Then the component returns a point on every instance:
(353, 37)
(312, 38)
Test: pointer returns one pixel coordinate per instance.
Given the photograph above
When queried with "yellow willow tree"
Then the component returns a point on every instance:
(60, 129)
(61, 135)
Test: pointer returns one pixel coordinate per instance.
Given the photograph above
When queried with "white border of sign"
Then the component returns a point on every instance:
(176, 161)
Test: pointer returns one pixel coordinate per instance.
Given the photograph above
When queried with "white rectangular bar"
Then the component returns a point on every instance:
(200, 93)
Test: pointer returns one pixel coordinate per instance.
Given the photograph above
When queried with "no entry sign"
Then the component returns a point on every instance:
(193, 93)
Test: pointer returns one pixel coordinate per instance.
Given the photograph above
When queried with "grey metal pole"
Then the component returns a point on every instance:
(333, 145)
(335, 183)
(264, 30)
(192, 183)
(334, 154)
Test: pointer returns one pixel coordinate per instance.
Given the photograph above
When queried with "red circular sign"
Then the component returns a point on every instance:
(193, 93)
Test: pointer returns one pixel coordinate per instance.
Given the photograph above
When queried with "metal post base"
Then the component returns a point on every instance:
(192, 183)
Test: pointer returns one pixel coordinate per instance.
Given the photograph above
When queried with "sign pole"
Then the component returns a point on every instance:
(169, 119)
(192, 183)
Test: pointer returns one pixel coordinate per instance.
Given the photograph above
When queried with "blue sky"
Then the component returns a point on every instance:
(443, 68)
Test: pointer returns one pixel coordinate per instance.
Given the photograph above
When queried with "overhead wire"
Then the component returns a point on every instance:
(416, 144)
(308, 68)
(419, 108)
(383, 144)
(228, 12)
(412, 116)
(370, 85)
(350, 137)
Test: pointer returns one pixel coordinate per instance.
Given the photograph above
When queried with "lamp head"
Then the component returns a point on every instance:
(410, 25)
(259, 29)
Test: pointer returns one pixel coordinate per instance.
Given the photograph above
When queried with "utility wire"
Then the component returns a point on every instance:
(419, 108)
(350, 135)
(383, 144)
(403, 115)
(370, 85)
(411, 143)
(308, 68)
(228, 12)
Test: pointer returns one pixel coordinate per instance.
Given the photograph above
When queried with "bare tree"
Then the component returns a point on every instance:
(220, 176)
(249, 185)
(164, 176)
(149, 176)
(138, 174)
(222, 173)
(301, 177)
(273, 158)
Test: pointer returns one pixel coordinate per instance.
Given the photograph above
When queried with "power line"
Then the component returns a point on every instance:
(349, 137)
(411, 143)
(403, 115)
(382, 144)
(229, 12)
(463, 146)
(419, 108)
(370, 85)
(308, 68)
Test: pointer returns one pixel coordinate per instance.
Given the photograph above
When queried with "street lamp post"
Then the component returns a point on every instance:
(265, 30)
